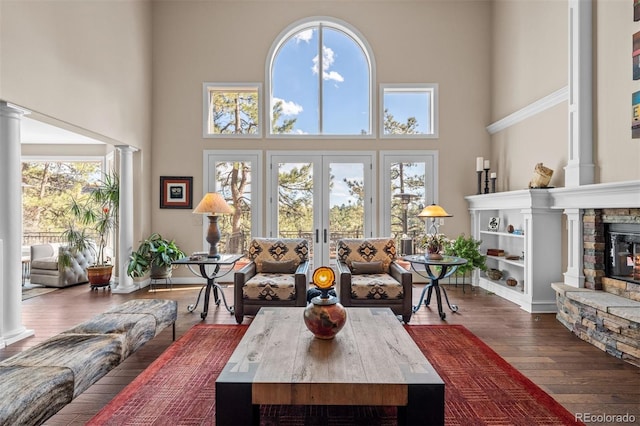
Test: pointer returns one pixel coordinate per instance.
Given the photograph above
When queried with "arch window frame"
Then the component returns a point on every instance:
(319, 23)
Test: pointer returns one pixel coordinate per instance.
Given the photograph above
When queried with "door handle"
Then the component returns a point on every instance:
(325, 236)
(317, 236)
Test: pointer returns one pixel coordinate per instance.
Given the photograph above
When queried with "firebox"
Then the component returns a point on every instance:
(623, 252)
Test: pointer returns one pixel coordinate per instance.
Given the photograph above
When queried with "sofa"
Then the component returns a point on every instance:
(41, 380)
(47, 270)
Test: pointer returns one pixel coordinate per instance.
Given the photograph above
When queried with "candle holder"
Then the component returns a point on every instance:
(486, 181)
(493, 184)
(479, 182)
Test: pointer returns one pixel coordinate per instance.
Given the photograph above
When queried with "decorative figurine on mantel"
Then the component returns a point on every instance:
(541, 177)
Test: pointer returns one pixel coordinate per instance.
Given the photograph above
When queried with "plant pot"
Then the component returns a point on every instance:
(160, 272)
(99, 276)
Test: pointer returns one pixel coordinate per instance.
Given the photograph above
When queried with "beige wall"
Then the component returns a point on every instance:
(84, 66)
(616, 154)
(445, 42)
(530, 51)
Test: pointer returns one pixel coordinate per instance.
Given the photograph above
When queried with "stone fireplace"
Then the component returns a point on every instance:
(612, 251)
(599, 300)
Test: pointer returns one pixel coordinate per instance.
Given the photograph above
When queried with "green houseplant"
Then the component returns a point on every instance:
(467, 248)
(93, 217)
(154, 255)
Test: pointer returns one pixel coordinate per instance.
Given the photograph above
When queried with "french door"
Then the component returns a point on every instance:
(322, 197)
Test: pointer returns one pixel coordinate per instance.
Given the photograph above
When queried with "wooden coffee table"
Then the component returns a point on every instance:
(372, 361)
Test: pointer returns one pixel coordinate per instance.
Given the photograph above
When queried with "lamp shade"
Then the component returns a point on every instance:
(213, 203)
(433, 210)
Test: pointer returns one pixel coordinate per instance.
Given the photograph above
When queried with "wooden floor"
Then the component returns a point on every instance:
(579, 376)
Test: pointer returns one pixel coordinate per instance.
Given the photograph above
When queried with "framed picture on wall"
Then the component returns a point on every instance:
(176, 192)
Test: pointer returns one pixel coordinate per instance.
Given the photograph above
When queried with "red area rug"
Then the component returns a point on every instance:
(481, 387)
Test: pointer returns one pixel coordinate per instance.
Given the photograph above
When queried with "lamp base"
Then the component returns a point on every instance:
(213, 237)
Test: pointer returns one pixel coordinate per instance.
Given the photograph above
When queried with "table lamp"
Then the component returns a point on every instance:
(213, 204)
(433, 211)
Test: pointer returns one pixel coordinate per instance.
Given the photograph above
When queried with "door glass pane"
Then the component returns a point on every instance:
(407, 200)
(346, 203)
(295, 201)
(233, 181)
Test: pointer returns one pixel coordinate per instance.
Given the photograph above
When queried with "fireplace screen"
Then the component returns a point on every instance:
(624, 252)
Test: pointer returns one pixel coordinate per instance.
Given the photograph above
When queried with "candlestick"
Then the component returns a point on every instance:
(479, 164)
(479, 182)
(486, 179)
(493, 182)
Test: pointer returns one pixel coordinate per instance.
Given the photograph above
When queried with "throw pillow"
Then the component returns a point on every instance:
(275, 267)
(358, 268)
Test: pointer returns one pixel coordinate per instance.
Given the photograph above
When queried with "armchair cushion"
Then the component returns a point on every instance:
(375, 287)
(270, 287)
(48, 263)
(277, 249)
(358, 268)
(276, 267)
(367, 250)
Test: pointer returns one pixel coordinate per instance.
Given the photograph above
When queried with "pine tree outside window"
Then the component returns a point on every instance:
(232, 110)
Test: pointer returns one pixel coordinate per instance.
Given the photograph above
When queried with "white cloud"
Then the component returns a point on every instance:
(328, 58)
(304, 36)
(288, 107)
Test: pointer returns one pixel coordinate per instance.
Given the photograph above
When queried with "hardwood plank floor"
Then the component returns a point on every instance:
(579, 376)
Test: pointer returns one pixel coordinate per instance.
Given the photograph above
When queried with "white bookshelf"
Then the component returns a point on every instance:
(539, 247)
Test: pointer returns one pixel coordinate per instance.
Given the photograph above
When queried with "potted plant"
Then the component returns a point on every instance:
(467, 248)
(433, 244)
(94, 216)
(154, 255)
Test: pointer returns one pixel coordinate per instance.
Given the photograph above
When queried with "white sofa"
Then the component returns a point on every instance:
(47, 270)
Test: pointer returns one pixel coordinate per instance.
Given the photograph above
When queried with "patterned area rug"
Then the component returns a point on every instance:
(481, 388)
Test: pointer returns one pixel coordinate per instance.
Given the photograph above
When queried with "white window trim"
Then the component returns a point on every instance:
(429, 157)
(210, 157)
(357, 37)
(417, 87)
(206, 86)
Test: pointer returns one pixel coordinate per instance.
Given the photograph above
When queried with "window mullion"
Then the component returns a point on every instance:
(320, 79)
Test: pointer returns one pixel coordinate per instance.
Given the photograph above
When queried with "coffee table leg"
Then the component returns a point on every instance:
(425, 407)
(233, 405)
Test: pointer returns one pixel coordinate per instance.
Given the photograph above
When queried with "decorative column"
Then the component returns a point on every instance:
(580, 169)
(125, 283)
(574, 276)
(11, 328)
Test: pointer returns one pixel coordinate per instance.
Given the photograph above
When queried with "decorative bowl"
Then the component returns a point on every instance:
(512, 282)
(494, 274)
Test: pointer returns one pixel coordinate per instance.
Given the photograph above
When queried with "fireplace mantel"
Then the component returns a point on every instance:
(597, 196)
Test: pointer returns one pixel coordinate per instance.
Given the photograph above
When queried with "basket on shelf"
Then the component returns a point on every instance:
(494, 274)
(511, 282)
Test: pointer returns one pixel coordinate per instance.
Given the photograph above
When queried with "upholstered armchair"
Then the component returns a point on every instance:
(368, 276)
(276, 276)
(48, 270)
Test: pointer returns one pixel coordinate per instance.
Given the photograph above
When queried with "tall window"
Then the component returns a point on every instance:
(320, 81)
(48, 186)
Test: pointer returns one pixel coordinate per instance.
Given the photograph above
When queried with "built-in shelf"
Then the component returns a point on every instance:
(540, 246)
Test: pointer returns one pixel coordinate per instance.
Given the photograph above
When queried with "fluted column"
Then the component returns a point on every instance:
(125, 283)
(11, 328)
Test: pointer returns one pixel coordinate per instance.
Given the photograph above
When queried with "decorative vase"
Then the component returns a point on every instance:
(433, 256)
(99, 276)
(325, 317)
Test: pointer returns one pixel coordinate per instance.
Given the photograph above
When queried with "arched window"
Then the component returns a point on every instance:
(320, 81)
